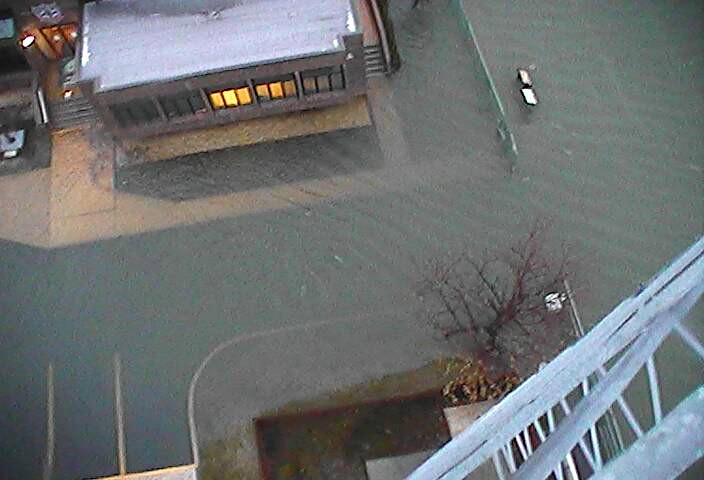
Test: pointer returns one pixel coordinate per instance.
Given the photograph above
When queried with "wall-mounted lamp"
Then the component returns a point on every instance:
(68, 94)
(27, 41)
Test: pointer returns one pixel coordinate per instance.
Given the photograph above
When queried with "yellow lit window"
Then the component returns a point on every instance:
(216, 100)
(230, 98)
(277, 90)
(263, 92)
(290, 88)
(243, 96)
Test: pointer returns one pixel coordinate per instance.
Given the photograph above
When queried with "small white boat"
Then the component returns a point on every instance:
(524, 77)
(529, 96)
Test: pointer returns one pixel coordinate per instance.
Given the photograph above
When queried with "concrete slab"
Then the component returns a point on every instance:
(461, 417)
(393, 468)
(183, 472)
(24, 207)
(77, 177)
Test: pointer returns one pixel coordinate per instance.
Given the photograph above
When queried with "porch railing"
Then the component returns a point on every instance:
(543, 429)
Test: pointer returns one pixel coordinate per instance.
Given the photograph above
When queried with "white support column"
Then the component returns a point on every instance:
(498, 466)
(508, 455)
(581, 443)
(690, 340)
(596, 449)
(48, 472)
(654, 388)
(119, 417)
(672, 446)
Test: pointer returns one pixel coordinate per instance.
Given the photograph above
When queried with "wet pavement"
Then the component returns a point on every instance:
(612, 155)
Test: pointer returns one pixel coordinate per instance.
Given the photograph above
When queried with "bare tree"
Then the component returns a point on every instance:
(484, 297)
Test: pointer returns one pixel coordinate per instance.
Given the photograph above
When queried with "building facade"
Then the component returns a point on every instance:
(193, 67)
(17, 80)
(152, 67)
(53, 26)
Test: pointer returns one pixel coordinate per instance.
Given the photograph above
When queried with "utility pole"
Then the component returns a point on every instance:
(119, 418)
(48, 472)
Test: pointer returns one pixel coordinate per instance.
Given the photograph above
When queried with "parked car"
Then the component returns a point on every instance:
(11, 143)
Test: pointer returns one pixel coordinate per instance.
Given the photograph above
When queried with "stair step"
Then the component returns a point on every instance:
(68, 104)
(78, 118)
(64, 125)
(70, 111)
(73, 117)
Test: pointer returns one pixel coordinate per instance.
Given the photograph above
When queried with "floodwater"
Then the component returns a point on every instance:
(612, 155)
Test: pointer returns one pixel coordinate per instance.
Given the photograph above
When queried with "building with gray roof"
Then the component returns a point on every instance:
(166, 65)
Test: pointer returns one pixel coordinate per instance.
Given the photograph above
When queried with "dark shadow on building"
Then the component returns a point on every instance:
(253, 167)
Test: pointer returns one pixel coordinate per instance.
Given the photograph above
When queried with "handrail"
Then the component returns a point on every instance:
(381, 27)
(44, 113)
(674, 447)
(613, 444)
(656, 309)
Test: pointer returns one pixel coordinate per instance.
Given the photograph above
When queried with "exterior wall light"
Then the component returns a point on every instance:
(68, 94)
(27, 41)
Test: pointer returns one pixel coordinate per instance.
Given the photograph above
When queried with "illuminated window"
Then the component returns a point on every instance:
(276, 88)
(244, 97)
(290, 88)
(216, 100)
(263, 92)
(323, 80)
(230, 97)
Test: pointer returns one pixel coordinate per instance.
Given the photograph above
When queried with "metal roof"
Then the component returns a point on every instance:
(133, 42)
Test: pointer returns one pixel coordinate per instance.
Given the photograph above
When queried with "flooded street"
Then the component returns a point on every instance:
(612, 156)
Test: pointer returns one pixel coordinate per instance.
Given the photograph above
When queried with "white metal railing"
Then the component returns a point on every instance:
(535, 432)
(41, 102)
(381, 28)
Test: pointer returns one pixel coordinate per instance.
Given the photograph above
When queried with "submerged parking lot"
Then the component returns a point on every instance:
(613, 155)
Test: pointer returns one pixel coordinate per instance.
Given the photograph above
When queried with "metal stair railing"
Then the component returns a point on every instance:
(606, 436)
(534, 432)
